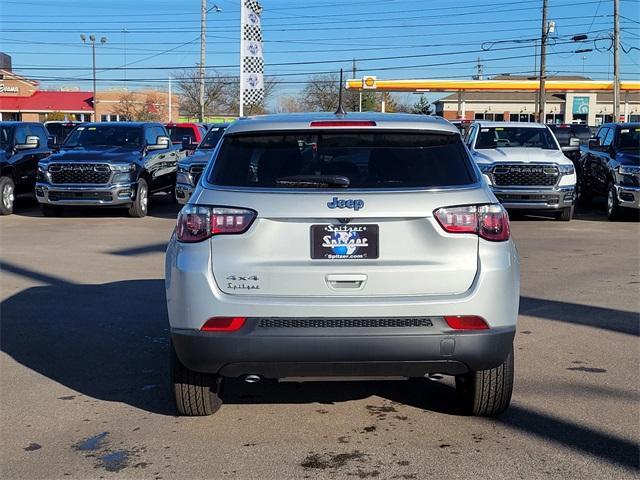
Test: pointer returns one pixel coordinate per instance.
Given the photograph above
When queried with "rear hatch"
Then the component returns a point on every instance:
(316, 234)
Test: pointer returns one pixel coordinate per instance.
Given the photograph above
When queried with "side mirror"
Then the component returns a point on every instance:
(594, 142)
(52, 141)
(32, 141)
(187, 144)
(162, 143)
(574, 142)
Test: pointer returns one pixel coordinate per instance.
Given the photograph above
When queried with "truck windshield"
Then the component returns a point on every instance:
(6, 137)
(105, 136)
(506, 137)
(212, 138)
(629, 139)
(347, 160)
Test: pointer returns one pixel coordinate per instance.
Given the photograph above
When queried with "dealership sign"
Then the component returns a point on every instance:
(8, 89)
(580, 105)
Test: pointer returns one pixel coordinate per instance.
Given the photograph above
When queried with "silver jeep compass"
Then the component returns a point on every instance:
(357, 245)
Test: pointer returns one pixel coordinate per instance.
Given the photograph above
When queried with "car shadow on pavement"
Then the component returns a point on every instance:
(109, 341)
(605, 318)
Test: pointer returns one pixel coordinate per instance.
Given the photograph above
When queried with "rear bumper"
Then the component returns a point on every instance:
(290, 353)
(86, 195)
(628, 197)
(535, 199)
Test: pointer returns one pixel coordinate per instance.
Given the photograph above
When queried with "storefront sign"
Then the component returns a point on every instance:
(8, 89)
(580, 105)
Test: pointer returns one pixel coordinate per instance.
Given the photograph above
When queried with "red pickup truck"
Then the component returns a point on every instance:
(187, 134)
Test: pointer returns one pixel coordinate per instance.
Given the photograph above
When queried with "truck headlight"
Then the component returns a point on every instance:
(128, 167)
(629, 170)
(566, 169)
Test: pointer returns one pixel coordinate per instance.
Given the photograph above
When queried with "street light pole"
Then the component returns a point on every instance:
(616, 60)
(125, 31)
(543, 63)
(203, 47)
(92, 39)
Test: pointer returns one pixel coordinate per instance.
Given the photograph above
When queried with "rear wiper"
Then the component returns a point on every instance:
(314, 181)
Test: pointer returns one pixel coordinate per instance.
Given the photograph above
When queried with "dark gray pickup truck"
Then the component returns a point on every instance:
(108, 164)
(610, 166)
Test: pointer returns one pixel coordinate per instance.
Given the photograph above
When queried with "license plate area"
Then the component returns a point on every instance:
(348, 242)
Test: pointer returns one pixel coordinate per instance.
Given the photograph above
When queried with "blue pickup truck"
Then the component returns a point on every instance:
(108, 164)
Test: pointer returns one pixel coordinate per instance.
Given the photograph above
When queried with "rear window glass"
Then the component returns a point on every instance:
(565, 132)
(60, 131)
(515, 137)
(323, 160)
(176, 134)
(212, 138)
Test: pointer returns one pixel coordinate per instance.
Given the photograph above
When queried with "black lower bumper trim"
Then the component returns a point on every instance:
(349, 354)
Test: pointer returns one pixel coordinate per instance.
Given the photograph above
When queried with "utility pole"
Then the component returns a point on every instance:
(479, 75)
(203, 47)
(92, 39)
(616, 60)
(125, 31)
(354, 73)
(170, 102)
(543, 63)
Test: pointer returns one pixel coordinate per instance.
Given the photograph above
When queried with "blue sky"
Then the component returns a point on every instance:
(392, 39)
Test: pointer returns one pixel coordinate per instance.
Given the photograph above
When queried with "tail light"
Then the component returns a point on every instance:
(467, 322)
(196, 223)
(490, 222)
(223, 324)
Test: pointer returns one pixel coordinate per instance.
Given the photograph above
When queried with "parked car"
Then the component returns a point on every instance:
(571, 136)
(191, 167)
(22, 145)
(322, 245)
(58, 131)
(188, 135)
(524, 166)
(108, 164)
(610, 166)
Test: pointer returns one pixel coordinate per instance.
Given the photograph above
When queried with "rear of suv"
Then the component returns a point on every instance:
(320, 245)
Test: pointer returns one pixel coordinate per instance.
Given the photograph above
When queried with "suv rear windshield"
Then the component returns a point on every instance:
(348, 159)
(505, 137)
(176, 134)
(105, 136)
(564, 132)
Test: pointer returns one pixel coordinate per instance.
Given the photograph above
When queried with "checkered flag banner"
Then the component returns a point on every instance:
(252, 54)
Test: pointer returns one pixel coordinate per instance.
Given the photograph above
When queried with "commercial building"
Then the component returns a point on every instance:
(592, 108)
(22, 99)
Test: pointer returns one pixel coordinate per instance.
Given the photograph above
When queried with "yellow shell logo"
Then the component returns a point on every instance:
(369, 82)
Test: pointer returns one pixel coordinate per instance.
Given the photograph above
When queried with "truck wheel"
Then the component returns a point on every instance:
(139, 207)
(565, 215)
(51, 210)
(613, 207)
(196, 394)
(487, 392)
(7, 195)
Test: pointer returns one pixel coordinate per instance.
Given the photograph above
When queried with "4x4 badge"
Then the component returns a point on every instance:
(356, 204)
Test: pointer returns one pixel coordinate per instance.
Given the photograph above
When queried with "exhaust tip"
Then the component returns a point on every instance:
(252, 378)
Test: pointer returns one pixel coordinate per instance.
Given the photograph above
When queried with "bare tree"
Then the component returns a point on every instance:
(151, 110)
(126, 108)
(189, 87)
(289, 103)
(321, 93)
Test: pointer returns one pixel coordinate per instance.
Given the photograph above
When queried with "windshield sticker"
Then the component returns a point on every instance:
(214, 129)
(80, 128)
(499, 129)
(484, 129)
(92, 128)
(626, 130)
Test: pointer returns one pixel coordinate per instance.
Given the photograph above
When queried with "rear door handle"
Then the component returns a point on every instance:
(344, 281)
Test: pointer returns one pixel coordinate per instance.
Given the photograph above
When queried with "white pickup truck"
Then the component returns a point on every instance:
(525, 167)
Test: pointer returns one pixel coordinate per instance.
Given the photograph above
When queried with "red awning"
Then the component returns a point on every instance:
(42, 101)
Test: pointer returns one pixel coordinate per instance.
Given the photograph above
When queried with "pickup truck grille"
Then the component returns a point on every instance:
(94, 173)
(525, 175)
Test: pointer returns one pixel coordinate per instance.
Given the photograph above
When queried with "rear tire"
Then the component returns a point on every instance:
(141, 203)
(7, 195)
(565, 215)
(196, 394)
(613, 207)
(51, 210)
(487, 393)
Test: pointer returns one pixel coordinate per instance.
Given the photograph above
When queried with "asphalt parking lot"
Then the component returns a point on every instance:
(85, 390)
